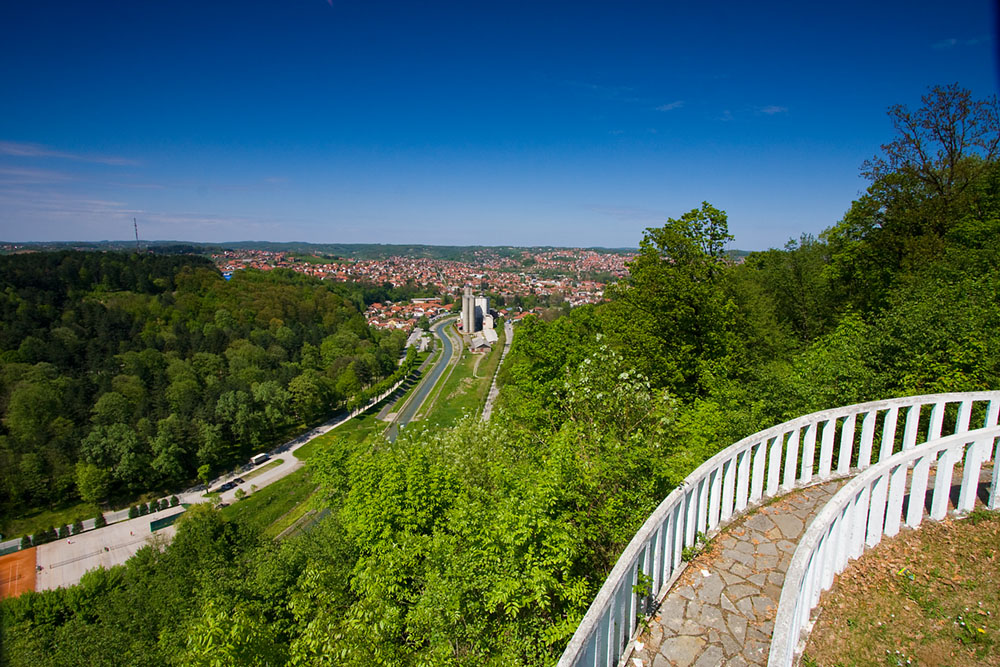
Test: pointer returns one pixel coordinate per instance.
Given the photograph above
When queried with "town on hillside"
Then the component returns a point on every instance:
(572, 275)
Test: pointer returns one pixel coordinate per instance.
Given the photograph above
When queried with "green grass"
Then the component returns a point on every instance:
(258, 471)
(929, 597)
(285, 521)
(462, 393)
(43, 519)
(263, 507)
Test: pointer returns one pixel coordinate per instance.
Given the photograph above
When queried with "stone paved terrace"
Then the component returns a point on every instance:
(721, 610)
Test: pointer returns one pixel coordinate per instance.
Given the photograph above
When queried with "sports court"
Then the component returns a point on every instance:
(17, 573)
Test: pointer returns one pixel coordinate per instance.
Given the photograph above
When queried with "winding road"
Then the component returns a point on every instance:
(409, 409)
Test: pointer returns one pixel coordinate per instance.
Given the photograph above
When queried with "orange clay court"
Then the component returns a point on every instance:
(17, 573)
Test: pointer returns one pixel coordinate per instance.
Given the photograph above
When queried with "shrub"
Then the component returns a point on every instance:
(133, 512)
(63, 532)
(26, 542)
(100, 521)
(154, 506)
(143, 510)
(174, 502)
(77, 526)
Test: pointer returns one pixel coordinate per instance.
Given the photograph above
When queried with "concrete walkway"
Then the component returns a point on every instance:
(721, 610)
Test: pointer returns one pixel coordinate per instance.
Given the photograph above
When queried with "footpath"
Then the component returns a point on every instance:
(721, 610)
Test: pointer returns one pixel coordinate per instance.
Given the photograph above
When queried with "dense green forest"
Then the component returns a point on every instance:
(484, 544)
(123, 373)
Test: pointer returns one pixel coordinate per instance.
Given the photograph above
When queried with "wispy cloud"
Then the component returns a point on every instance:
(23, 149)
(24, 175)
(727, 115)
(772, 109)
(952, 42)
(671, 106)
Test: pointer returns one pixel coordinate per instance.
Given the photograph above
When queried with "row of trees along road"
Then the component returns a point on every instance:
(124, 373)
(484, 544)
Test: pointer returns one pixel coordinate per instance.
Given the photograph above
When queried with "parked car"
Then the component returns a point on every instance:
(238, 480)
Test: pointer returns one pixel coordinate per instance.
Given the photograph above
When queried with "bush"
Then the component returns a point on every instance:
(143, 510)
(77, 526)
(174, 502)
(63, 532)
(100, 521)
(26, 542)
(133, 512)
(154, 506)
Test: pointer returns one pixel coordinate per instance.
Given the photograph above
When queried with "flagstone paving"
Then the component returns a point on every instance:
(721, 610)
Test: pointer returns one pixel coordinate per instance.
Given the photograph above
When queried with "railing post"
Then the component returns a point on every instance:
(964, 416)
(918, 492)
(994, 500)
(867, 436)
(759, 454)
(912, 423)
(774, 465)
(714, 499)
(808, 453)
(826, 448)
(846, 445)
(894, 506)
(742, 480)
(791, 460)
(728, 488)
(937, 421)
(970, 475)
(888, 433)
(942, 485)
(876, 510)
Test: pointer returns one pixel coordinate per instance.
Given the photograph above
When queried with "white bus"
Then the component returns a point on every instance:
(259, 458)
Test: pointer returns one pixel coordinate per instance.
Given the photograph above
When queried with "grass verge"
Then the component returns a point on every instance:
(263, 507)
(465, 389)
(43, 519)
(263, 469)
(926, 597)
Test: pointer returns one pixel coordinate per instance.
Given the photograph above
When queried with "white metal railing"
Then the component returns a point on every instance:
(873, 504)
(804, 451)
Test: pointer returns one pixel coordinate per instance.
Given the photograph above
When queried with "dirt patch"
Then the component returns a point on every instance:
(926, 597)
(17, 573)
(463, 386)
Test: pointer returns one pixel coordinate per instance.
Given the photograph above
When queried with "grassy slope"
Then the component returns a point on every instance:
(925, 597)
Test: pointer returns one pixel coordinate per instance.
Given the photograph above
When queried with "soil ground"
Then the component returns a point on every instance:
(925, 597)
(17, 573)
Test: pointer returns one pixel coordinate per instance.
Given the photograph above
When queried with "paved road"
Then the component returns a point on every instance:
(419, 395)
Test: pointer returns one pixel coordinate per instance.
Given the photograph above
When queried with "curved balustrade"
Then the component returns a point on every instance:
(804, 451)
(872, 505)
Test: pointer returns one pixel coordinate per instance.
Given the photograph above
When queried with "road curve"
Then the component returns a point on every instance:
(419, 395)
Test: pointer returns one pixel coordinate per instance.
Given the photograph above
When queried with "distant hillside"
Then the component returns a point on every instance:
(332, 250)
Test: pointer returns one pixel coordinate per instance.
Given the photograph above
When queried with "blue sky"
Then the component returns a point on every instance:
(514, 123)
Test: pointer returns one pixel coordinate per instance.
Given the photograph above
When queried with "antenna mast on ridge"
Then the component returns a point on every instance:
(136, 225)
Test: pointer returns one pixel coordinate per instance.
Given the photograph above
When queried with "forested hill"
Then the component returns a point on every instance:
(122, 373)
(485, 544)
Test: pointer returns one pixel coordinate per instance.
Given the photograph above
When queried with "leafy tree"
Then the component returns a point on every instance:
(133, 511)
(26, 542)
(63, 532)
(100, 521)
(670, 318)
(77, 526)
(92, 482)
